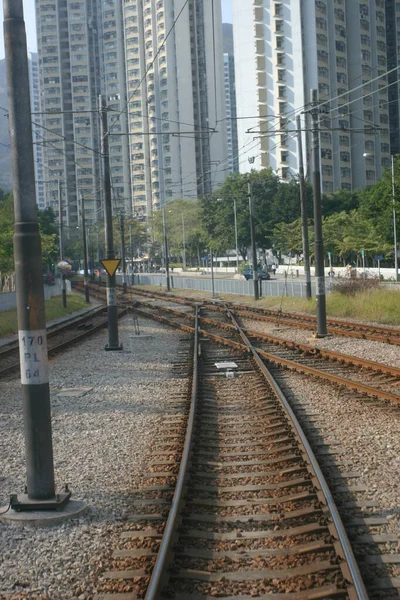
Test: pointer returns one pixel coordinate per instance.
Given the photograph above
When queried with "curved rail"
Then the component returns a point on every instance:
(343, 539)
(335, 326)
(158, 575)
(286, 362)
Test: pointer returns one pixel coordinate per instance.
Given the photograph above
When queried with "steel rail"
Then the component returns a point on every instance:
(338, 356)
(157, 579)
(55, 328)
(379, 333)
(290, 364)
(58, 347)
(330, 354)
(344, 541)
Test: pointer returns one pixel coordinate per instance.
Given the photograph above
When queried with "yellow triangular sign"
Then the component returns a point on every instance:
(111, 265)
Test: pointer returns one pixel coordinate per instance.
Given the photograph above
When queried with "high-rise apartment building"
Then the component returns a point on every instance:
(36, 131)
(230, 97)
(73, 73)
(330, 45)
(175, 98)
(159, 64)
(393, 61)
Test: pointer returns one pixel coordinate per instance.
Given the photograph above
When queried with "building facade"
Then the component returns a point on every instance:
(73, 73)
(393, 61)
(36, 132)
(176, 99)
(230, 97)
(297, 47)
(159, 65)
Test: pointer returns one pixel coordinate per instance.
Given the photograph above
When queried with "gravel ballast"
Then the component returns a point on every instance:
(102, 444)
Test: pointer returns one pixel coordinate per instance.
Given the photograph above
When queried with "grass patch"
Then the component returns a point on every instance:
(54, 309)
(379, 305)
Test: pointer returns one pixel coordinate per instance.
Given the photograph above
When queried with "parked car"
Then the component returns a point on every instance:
(49, 279)
(248, 274)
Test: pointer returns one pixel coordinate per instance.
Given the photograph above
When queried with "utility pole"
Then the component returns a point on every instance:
(61, 243)
(166, 249)
(122, 229)
(113, 343)
(303, 209)
(396, 268)
(131, 247)
(253, 241)
(184, 243)
(236, 236)
(85, 255)
(91, 252)
(29, 280)
(318, 241)
(212, 273)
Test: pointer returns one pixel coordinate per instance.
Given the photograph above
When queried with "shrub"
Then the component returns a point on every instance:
(351, 287)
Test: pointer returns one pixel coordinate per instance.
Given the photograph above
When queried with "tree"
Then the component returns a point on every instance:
(287, 237)
(340, 201)
(192, 224)
(273, 201)
(376, 202)
(6, 233)
(49, 236)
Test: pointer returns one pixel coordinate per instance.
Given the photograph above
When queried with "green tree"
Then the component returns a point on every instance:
(6, 233)
(376, 203)
(340, 201)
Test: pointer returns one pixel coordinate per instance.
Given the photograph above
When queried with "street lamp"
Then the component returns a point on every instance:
(183, 241)
(166, 249)
(394, 221)
(236, 233)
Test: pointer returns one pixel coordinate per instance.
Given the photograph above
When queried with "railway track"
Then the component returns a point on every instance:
(338, 327)
(364, 376)
(60, 336)
(249, 511)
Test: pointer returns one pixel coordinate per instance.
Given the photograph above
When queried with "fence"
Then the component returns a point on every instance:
(8, 300)
(225, 286)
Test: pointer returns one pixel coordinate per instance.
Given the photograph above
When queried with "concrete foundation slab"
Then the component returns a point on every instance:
(43, 518)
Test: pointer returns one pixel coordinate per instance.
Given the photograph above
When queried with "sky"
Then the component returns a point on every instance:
(29, 16)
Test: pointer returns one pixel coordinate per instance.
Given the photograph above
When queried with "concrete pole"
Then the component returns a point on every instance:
(166, 249)
(396, 266)
(253, 242)
(184, 243)
(85, 254)
(28, 265)
(212, 273)
(318, 241)
(122, 229)
(61, 243)
(113, 343)
(304, 225)
(131, 247)
(236, 236)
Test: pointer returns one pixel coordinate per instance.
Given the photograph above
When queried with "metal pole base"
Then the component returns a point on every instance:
(321, 335)
(124, 288)
(108, 348)
(23, 503)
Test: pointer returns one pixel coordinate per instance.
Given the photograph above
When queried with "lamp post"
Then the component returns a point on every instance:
(61, 242)
(236, 233)
(236, 236)
(394, 222)
(318, 240)
(253, 242)
(166, 249)
(85, 255)
(184, 243)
